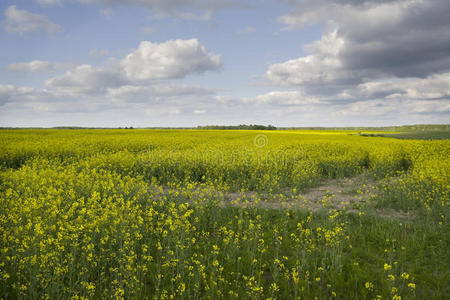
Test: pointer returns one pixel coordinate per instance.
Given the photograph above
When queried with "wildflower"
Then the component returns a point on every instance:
(274, 287)
(369, 285)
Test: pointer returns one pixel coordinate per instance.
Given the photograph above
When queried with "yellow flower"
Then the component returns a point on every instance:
(368, 285)
(274, 287)
(387, 267)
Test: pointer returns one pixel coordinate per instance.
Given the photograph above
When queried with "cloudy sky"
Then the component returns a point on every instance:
(195, 62)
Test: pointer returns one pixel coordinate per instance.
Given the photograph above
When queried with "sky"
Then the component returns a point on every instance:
(184, 63)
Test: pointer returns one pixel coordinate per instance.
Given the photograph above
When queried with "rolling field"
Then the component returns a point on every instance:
(236, 214)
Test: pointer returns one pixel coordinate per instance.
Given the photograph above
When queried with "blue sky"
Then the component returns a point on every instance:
(187, 63)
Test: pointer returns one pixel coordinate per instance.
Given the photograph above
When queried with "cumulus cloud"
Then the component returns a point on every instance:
(394, 100)
(431, 88)
(149, 62)
(168, 60)
(386, 53)
(368, 40)
(10, 93)
(86, 79)
(144, 77)
(322, 66)
(435, 87)
(22, 21)
(37, 66)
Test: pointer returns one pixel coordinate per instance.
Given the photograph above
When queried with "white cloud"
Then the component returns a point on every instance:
(372, 12)
(32, 66)
(11, 93)
(322, 66)
(151, 61)
(22, 21)
(37, 66)
(86, 79)
(381, 102)
(433, 87)
(392, 54)
(171, 59)
(132, 105)
(164, 111)
(281, 98)
(111, 85)
(374, 39)
(227, 99)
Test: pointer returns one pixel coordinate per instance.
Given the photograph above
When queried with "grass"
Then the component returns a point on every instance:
(416, 132)
(417, 135)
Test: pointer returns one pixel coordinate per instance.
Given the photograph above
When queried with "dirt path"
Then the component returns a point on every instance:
(348, 194)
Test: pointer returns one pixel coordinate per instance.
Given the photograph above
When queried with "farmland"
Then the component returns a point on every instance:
(198, 214)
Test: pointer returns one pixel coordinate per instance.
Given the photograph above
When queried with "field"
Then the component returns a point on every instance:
(200, 214)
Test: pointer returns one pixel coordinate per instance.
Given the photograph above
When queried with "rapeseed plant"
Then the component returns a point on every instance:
(190, 214)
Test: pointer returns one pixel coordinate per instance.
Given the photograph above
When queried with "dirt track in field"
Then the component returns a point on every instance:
(348, 194)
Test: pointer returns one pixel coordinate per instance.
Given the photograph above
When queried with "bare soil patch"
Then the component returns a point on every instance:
(347, 194)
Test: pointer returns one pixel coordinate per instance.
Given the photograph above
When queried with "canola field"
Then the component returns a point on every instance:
(201, 214)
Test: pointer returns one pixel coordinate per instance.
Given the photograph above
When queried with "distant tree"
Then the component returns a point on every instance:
(238, 127)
